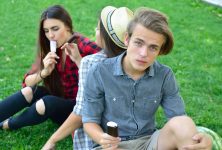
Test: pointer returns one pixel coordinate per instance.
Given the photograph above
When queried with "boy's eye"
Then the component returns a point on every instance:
(138, 43)
(153, 48)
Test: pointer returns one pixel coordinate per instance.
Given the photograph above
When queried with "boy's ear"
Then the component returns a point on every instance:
(126, 39)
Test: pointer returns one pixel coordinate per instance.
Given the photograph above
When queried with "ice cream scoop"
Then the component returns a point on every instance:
(112, 128)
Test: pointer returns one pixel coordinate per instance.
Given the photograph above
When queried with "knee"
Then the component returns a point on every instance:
(27, 93)
(181, 123)
(40, 107)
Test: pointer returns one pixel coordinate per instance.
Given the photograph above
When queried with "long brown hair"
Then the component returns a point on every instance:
(111, 49)
(52, 82)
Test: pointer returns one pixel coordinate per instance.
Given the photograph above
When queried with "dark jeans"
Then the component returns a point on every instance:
(56, 108)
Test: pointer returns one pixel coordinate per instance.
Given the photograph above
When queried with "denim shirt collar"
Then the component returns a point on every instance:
(118, 69)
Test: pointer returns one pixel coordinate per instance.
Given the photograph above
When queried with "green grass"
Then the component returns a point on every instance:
(196, 58)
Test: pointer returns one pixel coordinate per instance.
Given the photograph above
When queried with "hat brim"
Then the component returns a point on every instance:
(115, 21)
(105, 12)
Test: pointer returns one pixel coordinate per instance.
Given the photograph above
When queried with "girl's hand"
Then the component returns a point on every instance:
(71, 49)
(48, 146)
(49, 64)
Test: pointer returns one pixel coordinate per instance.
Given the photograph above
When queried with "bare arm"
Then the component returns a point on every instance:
(49, 64)
(94, 131)
(33, 79)
(70, 125)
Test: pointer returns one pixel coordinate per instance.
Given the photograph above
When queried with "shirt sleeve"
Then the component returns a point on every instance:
(87, 47)
(172, 102)
(35, 68)
(93, 97)
(83, 71)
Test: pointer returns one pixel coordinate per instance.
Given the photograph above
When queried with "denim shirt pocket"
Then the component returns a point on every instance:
(150, 104)
(115, 104)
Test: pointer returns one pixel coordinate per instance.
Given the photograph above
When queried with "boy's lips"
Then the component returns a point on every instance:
(141, 61)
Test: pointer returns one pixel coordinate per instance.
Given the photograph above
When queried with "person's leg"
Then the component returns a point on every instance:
(15, 103)
(21, 99)
(152, 143)
(48, 106)
(176, 133)
(27, 118)
(26, 97)
(61, 111)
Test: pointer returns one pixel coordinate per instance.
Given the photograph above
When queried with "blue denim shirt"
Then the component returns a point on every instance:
(111, 95)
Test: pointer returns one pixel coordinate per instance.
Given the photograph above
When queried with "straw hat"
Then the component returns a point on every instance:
(115, 21)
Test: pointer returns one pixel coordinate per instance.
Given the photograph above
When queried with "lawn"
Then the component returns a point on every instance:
(196, 59)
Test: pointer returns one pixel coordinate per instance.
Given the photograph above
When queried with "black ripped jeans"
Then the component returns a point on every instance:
(56, 108)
